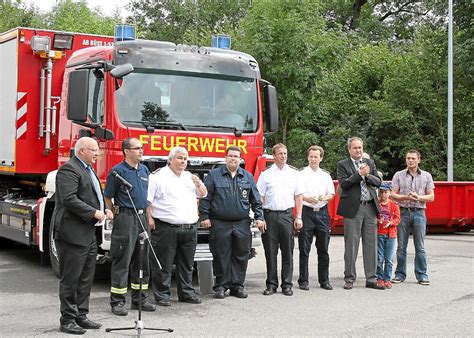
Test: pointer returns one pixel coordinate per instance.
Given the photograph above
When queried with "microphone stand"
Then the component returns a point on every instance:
(139, 325)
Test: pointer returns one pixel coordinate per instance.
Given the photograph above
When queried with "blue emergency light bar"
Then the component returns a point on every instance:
(221, 41)
(124, 33)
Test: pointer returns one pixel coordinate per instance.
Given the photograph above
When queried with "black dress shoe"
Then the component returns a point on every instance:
(287, 291)
(304, 287)
(220, 294)
(191, 300)
(269, 291)
(239, 293)
(163, 302)
(326, 286)
(348, 285)
(86, 323)
(146, 306)
(72, 328)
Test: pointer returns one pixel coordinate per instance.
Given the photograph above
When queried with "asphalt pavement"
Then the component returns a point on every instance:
(29, 304)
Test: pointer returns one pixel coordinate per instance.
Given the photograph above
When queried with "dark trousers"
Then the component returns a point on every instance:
(125, 251)
(76, 269)
(173, 244)
(230, 242)
(279, 234)
(315, 223)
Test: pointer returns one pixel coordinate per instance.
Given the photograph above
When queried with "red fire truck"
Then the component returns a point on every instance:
(58, 87)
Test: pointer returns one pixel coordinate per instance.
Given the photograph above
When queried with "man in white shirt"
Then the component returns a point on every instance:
(319, 190)
(173, 217)
(281, 191)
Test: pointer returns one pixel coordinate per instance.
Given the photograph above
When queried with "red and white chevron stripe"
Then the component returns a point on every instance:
(21, 110)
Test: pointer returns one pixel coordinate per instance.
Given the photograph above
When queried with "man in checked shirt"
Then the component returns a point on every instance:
(412, 188)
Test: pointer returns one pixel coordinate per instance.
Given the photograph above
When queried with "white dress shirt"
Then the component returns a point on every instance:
(279, 187)
(173, 198)
(316, 182)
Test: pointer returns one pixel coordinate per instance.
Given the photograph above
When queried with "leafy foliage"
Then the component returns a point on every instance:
(69, 15)
(16, 14)
(187, 21)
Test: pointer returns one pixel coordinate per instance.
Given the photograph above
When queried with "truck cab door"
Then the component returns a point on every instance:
(86, 103)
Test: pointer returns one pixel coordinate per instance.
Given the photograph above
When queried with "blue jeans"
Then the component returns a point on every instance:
(386, 251)
(416, 222)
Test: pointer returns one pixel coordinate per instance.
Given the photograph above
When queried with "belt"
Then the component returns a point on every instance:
(411, 209)
(365, 202)
(316, 209)
(182, 226)
(119, 209)
(286, 210)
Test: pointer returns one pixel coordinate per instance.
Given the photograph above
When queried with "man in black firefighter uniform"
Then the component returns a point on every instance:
(225, 211)
(124, 246)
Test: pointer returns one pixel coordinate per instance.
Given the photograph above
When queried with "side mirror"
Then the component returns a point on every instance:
(270, 108)
(121, 70)
(78, 95)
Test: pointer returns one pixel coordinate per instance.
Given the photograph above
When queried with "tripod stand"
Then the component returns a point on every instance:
(139, 325)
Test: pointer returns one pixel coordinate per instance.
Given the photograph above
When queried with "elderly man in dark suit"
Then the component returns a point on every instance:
(80, 207)
(359, 206)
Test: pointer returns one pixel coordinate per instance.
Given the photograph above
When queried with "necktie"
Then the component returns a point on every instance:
(96, 185)
(364, 192)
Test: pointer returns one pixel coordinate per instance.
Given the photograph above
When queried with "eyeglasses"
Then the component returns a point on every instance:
(93, 150)
(136, 148)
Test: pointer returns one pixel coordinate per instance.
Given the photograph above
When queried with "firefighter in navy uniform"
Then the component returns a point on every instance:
(124, 246)
(225, 211)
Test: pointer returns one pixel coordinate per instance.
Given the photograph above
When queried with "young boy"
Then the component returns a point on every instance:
(388, 220)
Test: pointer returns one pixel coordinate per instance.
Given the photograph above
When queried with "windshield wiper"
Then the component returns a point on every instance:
(237, 132)
(150, 125)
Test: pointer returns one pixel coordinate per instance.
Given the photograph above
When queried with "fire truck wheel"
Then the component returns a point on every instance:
(53, 253)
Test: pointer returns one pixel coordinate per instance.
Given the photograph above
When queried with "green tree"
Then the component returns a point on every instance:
(293, 48)
(187, 21)
(69, 15)
(17, 14)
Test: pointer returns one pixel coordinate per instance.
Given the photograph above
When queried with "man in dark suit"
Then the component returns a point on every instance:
(80, 207)
(359, 206)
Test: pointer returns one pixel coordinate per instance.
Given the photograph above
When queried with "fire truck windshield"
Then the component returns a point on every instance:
(190, 101)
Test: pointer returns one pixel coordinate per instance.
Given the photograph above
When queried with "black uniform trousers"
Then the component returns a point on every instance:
(76, 269)
(125, 251)
(170, 242)
(315, 223)
(230, 242)
(279, 234)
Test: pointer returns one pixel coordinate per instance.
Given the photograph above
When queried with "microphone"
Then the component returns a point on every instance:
(121, 179)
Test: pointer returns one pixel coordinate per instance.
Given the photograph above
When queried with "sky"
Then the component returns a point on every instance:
(106, 6)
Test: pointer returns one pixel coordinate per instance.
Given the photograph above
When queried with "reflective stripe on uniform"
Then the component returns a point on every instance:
(120, 291)
(137, 286)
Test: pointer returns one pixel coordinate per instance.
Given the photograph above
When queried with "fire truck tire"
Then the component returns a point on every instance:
(53, 253)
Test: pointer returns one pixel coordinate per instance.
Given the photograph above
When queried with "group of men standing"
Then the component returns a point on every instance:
(284, 202)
